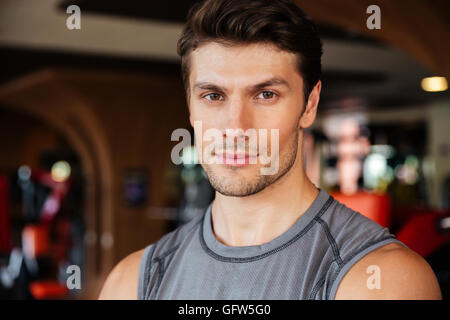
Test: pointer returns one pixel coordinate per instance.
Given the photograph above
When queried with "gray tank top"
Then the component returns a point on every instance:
(308, 261)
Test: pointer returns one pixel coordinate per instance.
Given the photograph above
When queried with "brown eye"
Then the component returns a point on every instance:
(266, 95)
(213, 96)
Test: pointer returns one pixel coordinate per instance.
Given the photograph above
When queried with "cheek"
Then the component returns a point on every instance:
(202, 121)
(195, 113)
(285, 140)
(209, 118)
(287, 129)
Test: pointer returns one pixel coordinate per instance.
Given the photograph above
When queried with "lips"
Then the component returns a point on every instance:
(236, 159)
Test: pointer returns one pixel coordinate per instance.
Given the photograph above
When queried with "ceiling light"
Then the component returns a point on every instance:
(434, 84)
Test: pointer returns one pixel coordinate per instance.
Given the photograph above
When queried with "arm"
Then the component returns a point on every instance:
(404, 275)
(122, 282)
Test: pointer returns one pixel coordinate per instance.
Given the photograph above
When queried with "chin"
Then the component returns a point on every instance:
(235, 182)
(233, 191)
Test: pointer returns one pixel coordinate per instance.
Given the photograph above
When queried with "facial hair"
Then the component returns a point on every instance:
(235, 185)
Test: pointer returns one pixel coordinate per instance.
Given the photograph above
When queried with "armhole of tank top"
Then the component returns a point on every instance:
(143, 271)
(354, 259)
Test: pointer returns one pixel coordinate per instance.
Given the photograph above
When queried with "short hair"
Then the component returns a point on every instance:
(280, 22)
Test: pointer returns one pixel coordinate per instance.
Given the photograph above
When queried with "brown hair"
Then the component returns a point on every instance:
(280, 22)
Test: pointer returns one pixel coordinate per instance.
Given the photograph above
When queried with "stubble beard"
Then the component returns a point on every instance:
(236, 185)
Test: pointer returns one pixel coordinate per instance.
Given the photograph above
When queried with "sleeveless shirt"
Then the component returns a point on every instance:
(308, 261)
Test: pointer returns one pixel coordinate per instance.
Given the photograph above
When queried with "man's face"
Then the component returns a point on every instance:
(254, 86)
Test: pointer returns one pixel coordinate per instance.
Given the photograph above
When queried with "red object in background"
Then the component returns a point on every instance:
(48, 290)
(422, 233)
(36, 240)
(59, 190)
(5, 234)
(63, 241)
(374, 206)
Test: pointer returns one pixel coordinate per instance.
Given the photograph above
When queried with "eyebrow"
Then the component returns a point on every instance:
(275, 81)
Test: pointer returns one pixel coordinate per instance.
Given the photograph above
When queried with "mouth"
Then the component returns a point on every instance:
(236, 159)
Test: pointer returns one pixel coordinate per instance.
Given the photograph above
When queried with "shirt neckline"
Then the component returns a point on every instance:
(223, 252)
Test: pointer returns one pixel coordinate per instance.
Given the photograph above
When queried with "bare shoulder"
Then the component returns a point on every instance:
(122, 282)
(391, 272)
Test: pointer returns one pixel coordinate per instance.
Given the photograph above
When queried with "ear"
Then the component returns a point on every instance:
(309, 115)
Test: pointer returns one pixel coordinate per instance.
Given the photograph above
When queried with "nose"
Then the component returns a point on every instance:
(237, 114)
(237, 120)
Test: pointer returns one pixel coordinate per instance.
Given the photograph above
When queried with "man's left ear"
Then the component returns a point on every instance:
(309, 115)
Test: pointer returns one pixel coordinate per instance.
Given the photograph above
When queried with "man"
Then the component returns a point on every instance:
(256, 65)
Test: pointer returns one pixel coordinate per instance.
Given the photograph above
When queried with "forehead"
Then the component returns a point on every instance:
(242, 64)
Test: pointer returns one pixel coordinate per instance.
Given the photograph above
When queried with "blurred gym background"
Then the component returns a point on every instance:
(86, 118)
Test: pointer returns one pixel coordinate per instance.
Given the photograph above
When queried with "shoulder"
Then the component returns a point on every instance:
(122, 282)
(170, 242)
(344, 222)
(353, 235)
(390, 272)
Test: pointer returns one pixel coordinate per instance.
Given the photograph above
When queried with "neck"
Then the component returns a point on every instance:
(259, 218)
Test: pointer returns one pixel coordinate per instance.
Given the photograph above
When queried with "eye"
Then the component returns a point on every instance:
(266, 95)
(213, 97)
